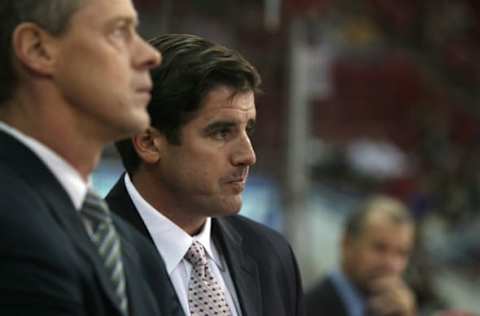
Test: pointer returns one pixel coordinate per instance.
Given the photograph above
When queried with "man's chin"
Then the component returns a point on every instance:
(232, 209)
(133, 127)
(365, 286)
(371, 285)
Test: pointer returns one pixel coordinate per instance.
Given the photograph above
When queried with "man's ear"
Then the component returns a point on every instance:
(34, 48)
(149, 145)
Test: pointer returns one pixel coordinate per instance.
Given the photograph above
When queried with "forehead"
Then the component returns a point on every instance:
(223, 100)
(388, 231)
(101, 11)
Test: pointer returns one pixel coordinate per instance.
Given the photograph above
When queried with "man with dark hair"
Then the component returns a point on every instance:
(376, 245)
(186, 174)
(74, 75)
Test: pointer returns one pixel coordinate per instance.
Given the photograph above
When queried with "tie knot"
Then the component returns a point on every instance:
(95, 209)
(196, 254)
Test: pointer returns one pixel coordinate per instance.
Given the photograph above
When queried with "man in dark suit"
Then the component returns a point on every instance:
(376, 245)
(186, 174)
(74, 75)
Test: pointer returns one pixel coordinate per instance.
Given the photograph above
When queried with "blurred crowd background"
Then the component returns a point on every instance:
(359, 97)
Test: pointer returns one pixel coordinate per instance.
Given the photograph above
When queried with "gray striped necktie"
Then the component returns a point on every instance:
(96, 217)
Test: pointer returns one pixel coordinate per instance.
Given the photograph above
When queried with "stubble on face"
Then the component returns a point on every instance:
(205, 175)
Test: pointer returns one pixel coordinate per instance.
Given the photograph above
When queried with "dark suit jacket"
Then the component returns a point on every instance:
(48, 264)
(323, 299)
(261, 262)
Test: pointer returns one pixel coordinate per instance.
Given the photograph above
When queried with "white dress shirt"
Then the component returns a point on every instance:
(68, 177)
(173, 243)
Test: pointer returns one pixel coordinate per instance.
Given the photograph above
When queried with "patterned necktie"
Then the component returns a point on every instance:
(205, 295)
(96, 216)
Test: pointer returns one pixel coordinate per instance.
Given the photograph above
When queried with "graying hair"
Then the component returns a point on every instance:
(396, 212)
(51, 15)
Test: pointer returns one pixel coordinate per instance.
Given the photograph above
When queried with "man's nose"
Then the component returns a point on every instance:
(244, 154)
(146, 55)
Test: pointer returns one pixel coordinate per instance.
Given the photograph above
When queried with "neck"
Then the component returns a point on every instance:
(54, 126)
(353, 281)
(166, 203)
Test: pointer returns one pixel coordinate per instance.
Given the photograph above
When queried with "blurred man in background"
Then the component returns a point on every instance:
(186, 175)
(376, 245)
(74, 75)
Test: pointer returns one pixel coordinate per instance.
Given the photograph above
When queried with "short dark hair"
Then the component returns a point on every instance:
(191, 67)
(51, 15)
(395, 210)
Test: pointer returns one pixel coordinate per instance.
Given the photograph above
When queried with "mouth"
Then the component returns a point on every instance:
(145, 92)
(240, 175)
(145, 89)
(238, 180)
(144, 86)
(237, 187)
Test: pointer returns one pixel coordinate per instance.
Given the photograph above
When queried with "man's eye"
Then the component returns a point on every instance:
(221, 133)
(122, 31)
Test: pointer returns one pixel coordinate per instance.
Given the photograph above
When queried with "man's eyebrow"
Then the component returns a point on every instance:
(127, 19)
(219, 125)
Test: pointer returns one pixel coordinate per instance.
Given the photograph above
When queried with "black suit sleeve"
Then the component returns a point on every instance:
(300, 307)
(292, 277)
(323, 299)
(278, 269)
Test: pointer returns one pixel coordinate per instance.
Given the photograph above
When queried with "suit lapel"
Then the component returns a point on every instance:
(242, 267)
(73, 225)
(42, 181)
(335, 297)
(120, 202)
(136, 294)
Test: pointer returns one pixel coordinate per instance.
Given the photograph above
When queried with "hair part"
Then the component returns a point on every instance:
(191, 67)
(51, 15)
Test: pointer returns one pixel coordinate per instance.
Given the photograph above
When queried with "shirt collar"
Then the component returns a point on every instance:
(171, 241)
(205, 238)
(69, 178)
(354, 301)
